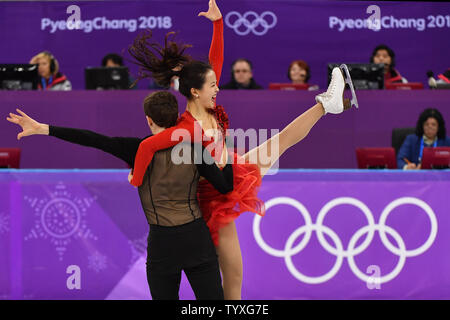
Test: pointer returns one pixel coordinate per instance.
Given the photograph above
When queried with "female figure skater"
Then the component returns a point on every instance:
(199, 84)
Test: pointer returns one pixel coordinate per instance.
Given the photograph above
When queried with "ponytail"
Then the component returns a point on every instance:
(158, 62)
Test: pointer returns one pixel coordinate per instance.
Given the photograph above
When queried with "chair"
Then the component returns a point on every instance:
(399, 135)
(10, 158)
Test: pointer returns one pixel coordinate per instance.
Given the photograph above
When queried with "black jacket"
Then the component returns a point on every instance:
(234, 85)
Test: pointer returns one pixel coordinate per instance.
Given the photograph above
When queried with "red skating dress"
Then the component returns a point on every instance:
(218, 209)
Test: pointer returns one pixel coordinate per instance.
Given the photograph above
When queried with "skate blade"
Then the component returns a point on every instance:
(348, 80)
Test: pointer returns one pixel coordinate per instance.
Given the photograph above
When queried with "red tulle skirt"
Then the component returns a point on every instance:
(220, 209)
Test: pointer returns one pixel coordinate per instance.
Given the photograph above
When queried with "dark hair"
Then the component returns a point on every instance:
(431, 113)
(242, 60)
(159, 62)
(234, 63)
(193, 75)
(391, 54)
(162, 107)
(302, 64)
(114, 57)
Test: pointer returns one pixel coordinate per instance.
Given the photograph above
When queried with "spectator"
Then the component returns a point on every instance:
(298, 72)
(112, 60)
(430, 132)
(241, 76)
(49, 76)
(384, 54)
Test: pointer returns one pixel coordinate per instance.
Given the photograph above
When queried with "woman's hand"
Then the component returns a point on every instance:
(130, 176)
(29, 126)
(34, 60)
(213, 13)
(412, 166)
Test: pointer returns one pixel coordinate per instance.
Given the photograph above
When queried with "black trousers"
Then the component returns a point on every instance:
(187, 248)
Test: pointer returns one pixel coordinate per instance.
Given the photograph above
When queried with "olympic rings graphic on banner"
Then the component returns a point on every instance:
(242, 20)
(338, 249)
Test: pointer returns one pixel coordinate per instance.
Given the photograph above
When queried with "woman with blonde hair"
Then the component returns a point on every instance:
(49, 76)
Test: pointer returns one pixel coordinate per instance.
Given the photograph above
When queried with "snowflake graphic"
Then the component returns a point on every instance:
(138, 248)
(4, 223)
(61, 218)
(97, 262)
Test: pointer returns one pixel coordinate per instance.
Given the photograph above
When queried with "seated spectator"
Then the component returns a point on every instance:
(384, 54)
(49, 76)
(241, 76)
(112, 60)
(430, 132)
(299, 73)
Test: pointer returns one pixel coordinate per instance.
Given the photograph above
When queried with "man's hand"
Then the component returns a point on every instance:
(213, 13)
(29, 125)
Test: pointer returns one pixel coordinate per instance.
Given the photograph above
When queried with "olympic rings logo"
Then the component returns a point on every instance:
(242, 20)
(338, 249)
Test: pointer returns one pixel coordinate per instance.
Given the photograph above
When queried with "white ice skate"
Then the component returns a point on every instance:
(333, 100)
(348, 80)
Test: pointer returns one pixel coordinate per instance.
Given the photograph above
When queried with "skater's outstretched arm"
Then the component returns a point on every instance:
(124, 148)
(165, 139)
(216, 48)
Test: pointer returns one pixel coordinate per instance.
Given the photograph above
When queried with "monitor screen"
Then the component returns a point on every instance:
(404, 86)
(445, 86)
(106, 78)
(436, 158)
(288, 86)
(19, 76)
(364, 75)
(9, 158)
(376, 158)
